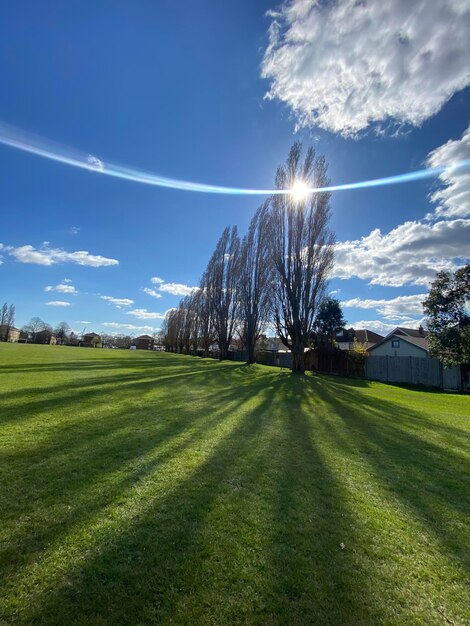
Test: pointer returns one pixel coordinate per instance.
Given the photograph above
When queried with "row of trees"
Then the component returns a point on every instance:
(277, 274)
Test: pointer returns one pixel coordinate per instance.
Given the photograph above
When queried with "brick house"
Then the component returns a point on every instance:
(144, 342)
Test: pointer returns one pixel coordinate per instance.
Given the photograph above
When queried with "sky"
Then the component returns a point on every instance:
(216, 93)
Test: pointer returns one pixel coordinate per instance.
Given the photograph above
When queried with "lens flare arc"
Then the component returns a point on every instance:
(26, 142)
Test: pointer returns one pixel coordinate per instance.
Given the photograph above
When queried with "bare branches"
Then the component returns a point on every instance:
(278, 273)
(301, 245)
(256, 275)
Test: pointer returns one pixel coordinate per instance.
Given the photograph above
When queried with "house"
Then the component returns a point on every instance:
(345, 339)
(403, 342)
(274, 344)
(91, 340)
(45, 336)
(13, 333)
(144, 342)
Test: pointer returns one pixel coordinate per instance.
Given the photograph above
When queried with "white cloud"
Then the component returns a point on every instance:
(411, 253)
(402, 307)
(58, 303)
(74, 230)
(383, 328)
(118, 301)
(453, 199)
(51, 256)
(176, 289)
(152, 292)
(156, 280)
(82, 322)
(143, 314)
(345, 65)
(131, 327)
(63, 287)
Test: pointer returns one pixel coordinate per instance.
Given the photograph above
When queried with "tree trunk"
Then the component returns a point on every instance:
(298, 361)
(251, 355)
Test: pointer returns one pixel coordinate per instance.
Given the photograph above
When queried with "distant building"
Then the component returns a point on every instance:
(91, 340)
(144, 342)
(274, 344)
(13, 333)
(345, 339)
(45, 336)
(403, 342)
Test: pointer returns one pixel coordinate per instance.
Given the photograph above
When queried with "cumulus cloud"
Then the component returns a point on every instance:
(453, 199)
(82, 322)
(57, 303)
(156, 280)
(131, 327)
(74, 230)
(51, 256)
(384, 328)
(63, 287)
(119, 302)
(176, 289)
(152, 292)
(345, 65)
(143, 314)
(399, 308)
(411, 253)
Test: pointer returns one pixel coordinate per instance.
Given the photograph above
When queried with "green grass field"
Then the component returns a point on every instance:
(149, 488)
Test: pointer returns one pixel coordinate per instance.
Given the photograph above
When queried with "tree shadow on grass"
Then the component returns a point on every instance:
(84, 463)
(239, 539)
(410, 455)
(222, 506)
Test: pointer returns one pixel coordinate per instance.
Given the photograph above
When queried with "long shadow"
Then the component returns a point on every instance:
(245, 531)
(137, 575)
(213, 507)
(313, 580)
(429, 477)
(81, 455)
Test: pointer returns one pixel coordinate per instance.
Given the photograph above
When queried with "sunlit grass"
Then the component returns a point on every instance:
(145, 488)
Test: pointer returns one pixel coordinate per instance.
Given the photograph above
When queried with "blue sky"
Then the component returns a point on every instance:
(216, 92)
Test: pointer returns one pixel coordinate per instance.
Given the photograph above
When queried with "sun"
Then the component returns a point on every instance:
(299, 191)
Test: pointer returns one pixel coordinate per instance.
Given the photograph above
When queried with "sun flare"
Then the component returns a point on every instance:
(300, 191)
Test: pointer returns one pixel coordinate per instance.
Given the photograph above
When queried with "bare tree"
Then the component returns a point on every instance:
(62, 331)
(301, 246)
(205, 318)
(256, 277)
(222, 276)
(171, 330)
(35, 326)
(7, 320)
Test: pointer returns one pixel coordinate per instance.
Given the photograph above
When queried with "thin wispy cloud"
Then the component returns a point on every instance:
(58, 303)
(143, 314)
(129, 327)
(118, 301)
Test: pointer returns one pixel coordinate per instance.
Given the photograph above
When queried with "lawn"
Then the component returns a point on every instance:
(149, 488)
